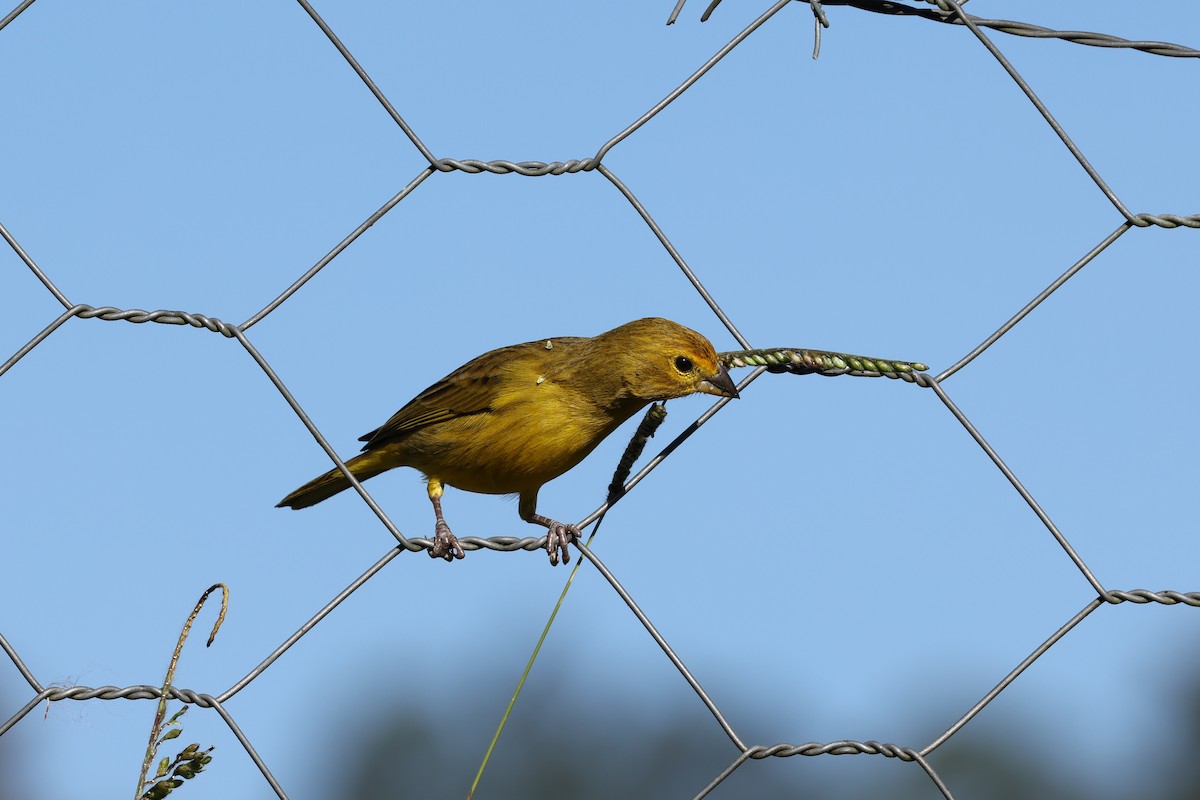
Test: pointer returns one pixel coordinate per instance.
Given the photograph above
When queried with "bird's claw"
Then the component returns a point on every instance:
(558, 540)
(445, 543)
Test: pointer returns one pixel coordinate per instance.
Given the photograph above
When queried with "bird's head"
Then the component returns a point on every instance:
(663, 359)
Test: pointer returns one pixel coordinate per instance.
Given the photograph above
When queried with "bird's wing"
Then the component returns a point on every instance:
(470, 389)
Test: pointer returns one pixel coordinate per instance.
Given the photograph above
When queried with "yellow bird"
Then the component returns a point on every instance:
(514, 418)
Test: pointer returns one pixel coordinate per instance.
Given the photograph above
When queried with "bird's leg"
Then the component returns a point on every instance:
(445, 543)
(558, 535)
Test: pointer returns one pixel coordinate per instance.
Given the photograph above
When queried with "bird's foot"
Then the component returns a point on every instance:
(558, 540)
(445, 543)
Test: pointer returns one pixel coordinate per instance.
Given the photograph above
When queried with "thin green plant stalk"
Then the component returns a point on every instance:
(529, 666)
(655, 415)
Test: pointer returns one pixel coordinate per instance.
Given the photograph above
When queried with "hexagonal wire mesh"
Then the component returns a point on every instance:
(802, 361)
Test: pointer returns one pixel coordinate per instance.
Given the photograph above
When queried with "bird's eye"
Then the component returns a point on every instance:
(683, 364)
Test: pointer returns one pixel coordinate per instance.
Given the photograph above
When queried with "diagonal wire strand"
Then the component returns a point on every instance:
(1042, 109)
(1016, 483)
(245, 742)
(16, 12)
(308, 626)
(324, 443)
(337, 250)
(687, 271)
(1034, 303)
(662, 643)
(33, 267)
(683, 87)
(375, 90)
(1012, 676)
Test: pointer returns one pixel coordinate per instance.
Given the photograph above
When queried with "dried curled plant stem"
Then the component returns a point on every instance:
(191, 760)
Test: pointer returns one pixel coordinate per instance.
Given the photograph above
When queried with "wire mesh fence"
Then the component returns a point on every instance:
(920, 755)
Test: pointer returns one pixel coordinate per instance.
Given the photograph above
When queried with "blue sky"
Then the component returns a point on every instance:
(833, 559)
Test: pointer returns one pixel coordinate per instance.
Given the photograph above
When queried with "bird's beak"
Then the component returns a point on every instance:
(720, 384)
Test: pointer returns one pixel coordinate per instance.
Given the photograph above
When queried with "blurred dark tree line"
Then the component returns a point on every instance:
(633, 752)
(630, 751)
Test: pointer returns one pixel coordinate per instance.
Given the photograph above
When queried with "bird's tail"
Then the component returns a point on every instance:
(323, 487)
